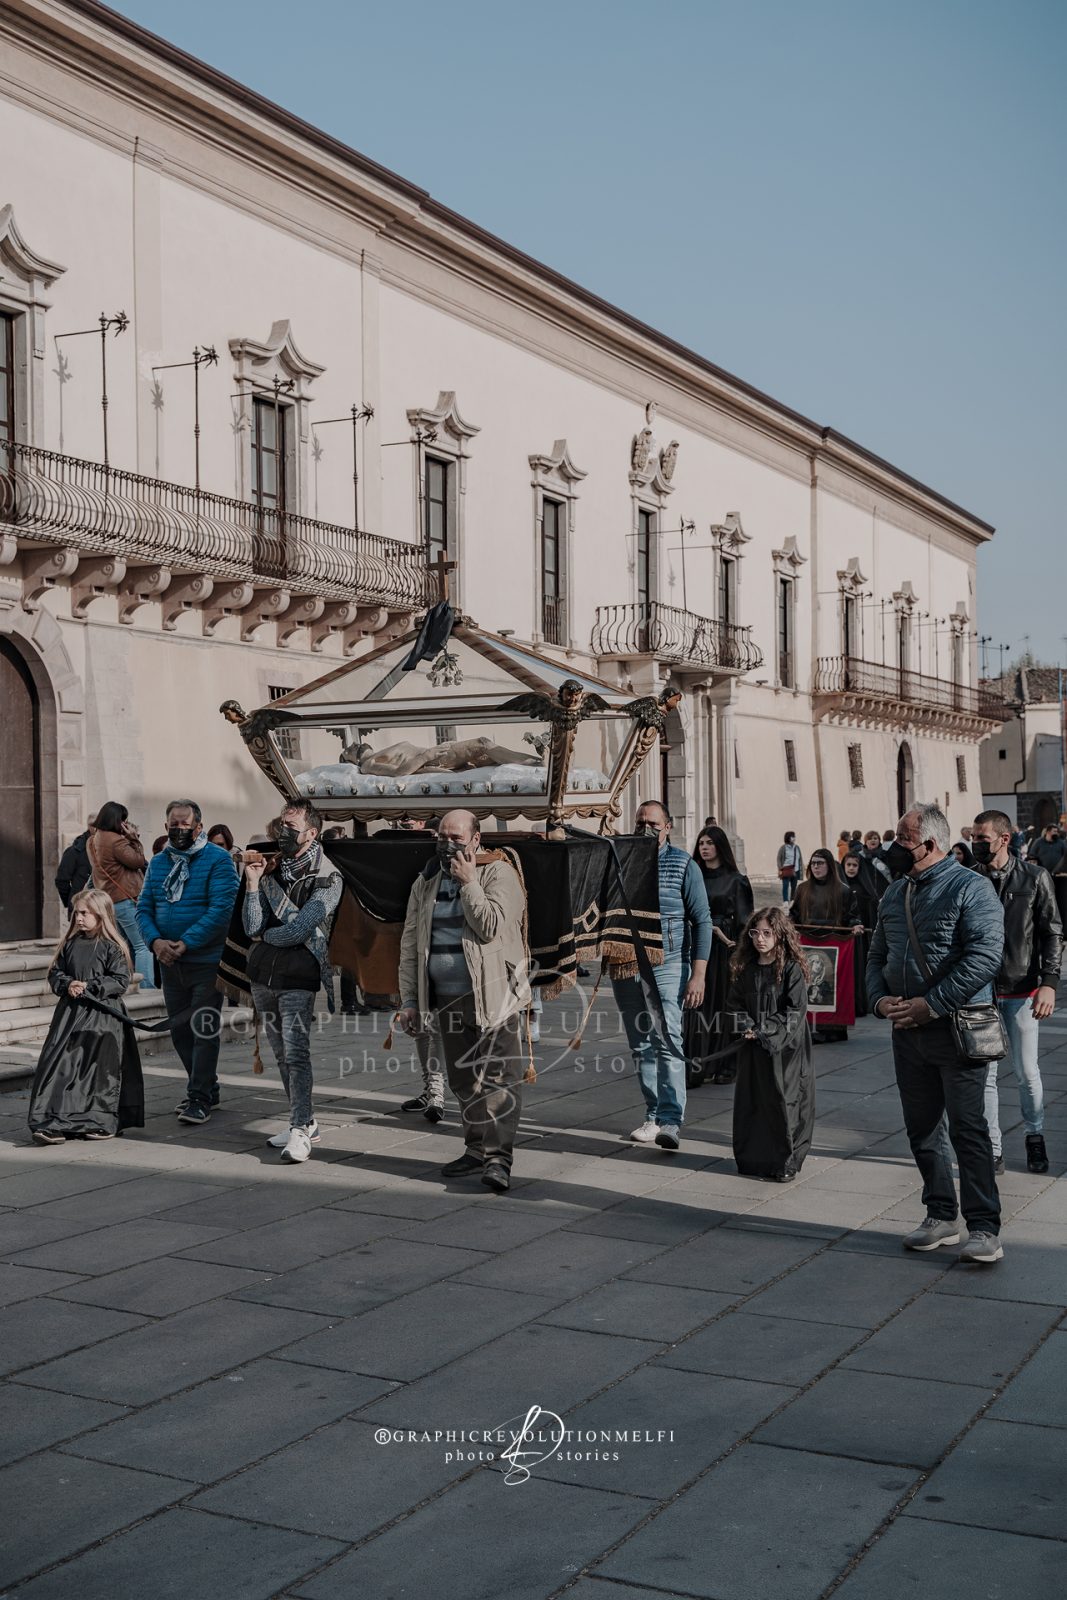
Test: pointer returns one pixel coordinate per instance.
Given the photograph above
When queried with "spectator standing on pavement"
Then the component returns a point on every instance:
(878, 875)
(960, 927)
(790, 866)
(184, 912)
(75, 869)
(463, 971)
(1047, 849)
(288, 913)
(118, 862)
(1025, 986)
(686, 926)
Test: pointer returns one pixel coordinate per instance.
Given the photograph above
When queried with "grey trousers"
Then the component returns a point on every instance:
(485, 1072)
(287, 1016)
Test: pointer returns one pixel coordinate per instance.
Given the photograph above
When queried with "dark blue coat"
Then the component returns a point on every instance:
(202, 915)
(960, 924)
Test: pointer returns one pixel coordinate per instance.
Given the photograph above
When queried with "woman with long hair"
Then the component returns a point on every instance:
(730, 903)
(88, 1083)
(862, 883)
(825, 908)
(774, 1101)
(118, 863)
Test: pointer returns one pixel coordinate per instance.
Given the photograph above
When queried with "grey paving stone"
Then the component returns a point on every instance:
(121, 1201)
(166, 1356)
(347, 1284)
(491, 1227)
(549, 1267)
(63, 1176)
(188, 1554)
(654, 1219)
(555, 1367)
(32, 1419)
(727, 1260)
(884, 1237)
(768, 1542)
(970, 1564)
(160, 1287)
(422, 1555)
(683, 1425)
(942, 1333)
(406, 1202)
(38, 1330)
(1030, 1270)
(858, 1291)
(1007, 1475)
(415, 1334)
(904, 1421)
(249, 1207)
(208, 1432)
(123, 1244)
(22, 1230)
(339, 1483)
(772, 1349)
(640, 1310)
(867, 1174)
(295, 1241)
(599, 1589)
(24, 1283)
(64, 1504)
(805, 1208)
(1039, 1393)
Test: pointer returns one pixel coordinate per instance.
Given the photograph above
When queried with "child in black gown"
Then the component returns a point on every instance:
(88, 1083)
(774, 1101)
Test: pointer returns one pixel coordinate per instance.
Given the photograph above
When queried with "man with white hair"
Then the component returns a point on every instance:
(938, 946)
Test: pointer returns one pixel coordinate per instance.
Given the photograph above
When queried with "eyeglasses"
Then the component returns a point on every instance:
(759, 934)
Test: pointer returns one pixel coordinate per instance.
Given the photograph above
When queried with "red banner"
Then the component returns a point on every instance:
(831, 979)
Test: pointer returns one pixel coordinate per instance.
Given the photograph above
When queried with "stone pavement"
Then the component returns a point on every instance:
(202, 1347)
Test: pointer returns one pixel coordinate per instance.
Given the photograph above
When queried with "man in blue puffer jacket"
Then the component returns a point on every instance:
(184, 911)
(960, 926)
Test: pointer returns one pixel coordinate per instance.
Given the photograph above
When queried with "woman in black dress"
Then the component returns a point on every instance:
(774, 1102)
(825, 905)
(863, 885)
(88, 1083)
(730, 903)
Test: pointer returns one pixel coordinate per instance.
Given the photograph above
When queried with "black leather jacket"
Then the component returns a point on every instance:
(1033, 932)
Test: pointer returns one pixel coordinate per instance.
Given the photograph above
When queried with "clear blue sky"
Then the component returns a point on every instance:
(856, 205)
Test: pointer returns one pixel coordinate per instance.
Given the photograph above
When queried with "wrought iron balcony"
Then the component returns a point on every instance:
(60, 501)
(554, 619)
(847, 685)
(670, 634)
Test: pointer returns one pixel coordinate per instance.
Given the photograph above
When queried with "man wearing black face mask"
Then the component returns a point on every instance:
(184, 911)
(1026, 983)
(959, 926)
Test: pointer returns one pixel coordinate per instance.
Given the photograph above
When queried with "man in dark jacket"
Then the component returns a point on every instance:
(960, 927)
(184, 911)
(75, 869)
(289, 913)
(1047, 848)
(1025, 986)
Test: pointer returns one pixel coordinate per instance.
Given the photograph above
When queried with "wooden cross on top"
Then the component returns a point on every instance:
(442, 567)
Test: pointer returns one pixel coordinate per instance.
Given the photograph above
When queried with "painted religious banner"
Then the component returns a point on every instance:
(831, 981)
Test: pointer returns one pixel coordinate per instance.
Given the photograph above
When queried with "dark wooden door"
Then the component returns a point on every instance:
(20, 848)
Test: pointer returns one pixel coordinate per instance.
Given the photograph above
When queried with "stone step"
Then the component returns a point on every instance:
(26, 992)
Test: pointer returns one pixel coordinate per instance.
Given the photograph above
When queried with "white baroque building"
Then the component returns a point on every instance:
(318, 379)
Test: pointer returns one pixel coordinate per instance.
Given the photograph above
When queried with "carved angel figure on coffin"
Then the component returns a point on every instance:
(454, 755)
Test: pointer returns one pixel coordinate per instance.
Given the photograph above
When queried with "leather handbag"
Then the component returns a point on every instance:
(977, 1030)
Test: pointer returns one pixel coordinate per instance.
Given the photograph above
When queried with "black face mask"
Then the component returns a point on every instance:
(644, 830)
(289, 842)
(982, 851)
(181, 838)
(899, 859)
(448, 850)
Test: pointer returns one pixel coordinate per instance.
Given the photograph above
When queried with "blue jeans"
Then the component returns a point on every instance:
(789, 889)
(143, 959)
(1021, 1026)
(191, 984)
(288, 1016)
(660, 1066)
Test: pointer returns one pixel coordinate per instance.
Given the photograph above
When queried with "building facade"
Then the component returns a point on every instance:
(1022, 761)
(253, 387)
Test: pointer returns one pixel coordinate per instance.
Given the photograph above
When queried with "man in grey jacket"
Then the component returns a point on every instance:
(960, 925)
(463, 958)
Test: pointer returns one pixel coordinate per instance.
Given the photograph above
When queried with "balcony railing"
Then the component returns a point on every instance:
(670, 634)
(60, 500)
(872, 681)
(554, 619)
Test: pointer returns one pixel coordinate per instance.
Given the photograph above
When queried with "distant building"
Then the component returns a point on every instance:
(1021, 762)
(607, 495)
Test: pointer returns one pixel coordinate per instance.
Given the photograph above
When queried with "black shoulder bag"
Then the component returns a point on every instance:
(977, 1031)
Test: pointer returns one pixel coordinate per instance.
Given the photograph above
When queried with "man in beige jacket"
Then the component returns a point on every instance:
(463, 958)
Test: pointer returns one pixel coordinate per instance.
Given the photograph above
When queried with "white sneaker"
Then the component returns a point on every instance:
(646, 1133)
(298, 1145)
(280, 1140)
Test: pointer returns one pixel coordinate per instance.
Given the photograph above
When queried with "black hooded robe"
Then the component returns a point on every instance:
(774, 1098)
(89, 1074)
(705, 1033)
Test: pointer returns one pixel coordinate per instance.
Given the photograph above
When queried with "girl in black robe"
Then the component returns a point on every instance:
(863, 884)
(88, 1083)
(730, 903)
(823, 906)
(774, 1101)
